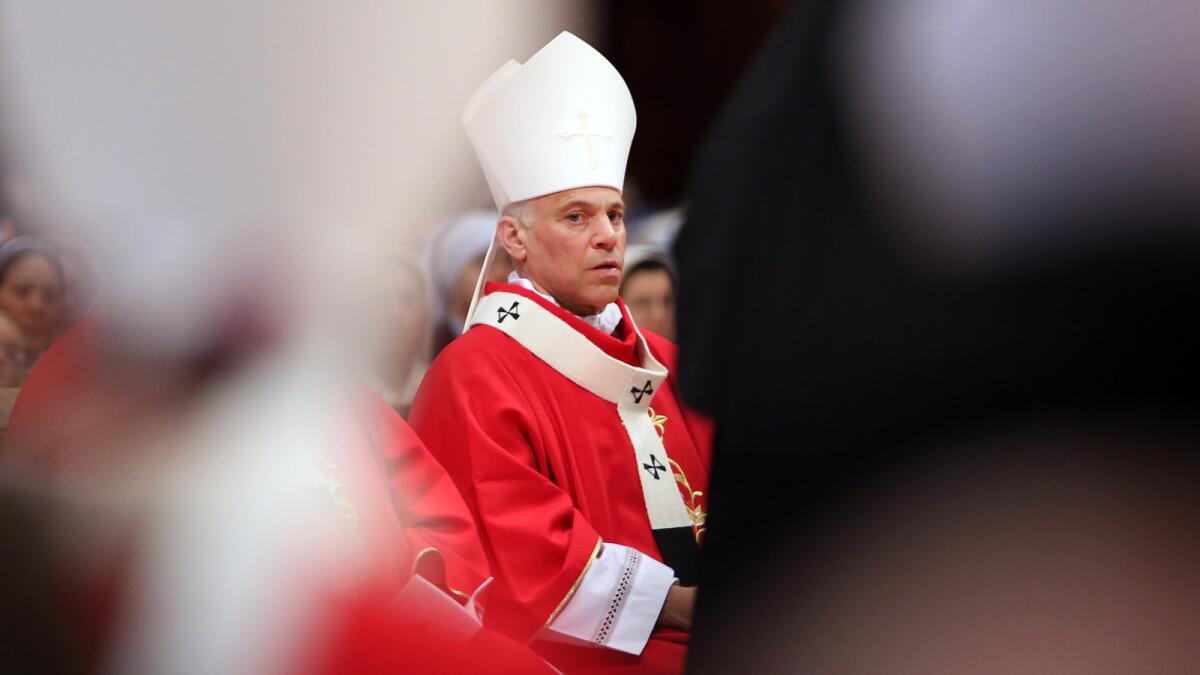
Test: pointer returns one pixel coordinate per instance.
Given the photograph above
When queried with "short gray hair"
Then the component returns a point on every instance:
(522, 211)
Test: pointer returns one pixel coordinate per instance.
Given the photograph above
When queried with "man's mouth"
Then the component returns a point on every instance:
(607, 265)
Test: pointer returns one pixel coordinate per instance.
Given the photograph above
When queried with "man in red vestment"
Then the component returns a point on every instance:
(554, 414)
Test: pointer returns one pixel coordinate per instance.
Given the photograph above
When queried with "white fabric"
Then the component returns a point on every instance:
(563, 120)
(454, 246)
(629, 388)
(617, 603)
(605, 321)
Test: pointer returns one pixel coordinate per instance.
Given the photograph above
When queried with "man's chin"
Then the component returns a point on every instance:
(587, 306)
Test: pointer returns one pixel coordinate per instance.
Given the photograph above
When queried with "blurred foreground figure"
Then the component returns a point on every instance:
(937, 288)
(556, 416)
(196, 478)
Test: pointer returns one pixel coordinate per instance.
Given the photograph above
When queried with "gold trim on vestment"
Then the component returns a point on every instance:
(575, 586)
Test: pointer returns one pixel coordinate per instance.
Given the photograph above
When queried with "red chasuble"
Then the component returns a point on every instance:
(549, 469)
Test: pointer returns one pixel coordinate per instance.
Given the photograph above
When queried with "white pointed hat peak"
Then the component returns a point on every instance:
(564, 119)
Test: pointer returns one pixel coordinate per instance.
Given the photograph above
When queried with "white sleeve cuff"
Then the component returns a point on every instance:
(617, 603)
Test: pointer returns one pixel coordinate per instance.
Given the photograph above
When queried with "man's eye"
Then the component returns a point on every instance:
(616, 216)
(575, 218)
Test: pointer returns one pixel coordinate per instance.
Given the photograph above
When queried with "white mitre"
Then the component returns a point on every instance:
(562, 120)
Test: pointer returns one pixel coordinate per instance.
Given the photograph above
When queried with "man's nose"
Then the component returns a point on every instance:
(605, 235)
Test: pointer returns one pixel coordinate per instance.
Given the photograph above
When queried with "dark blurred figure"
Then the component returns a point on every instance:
(31, 291)
(937, 288)
(648, 289)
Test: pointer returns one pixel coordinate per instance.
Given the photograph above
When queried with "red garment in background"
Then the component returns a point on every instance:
(403, 505)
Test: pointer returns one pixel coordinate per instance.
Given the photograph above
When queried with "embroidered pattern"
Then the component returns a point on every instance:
(691, 498)
(654, 467)
(502, 314)
(646, 390)
(659, 422)
(587, 137)
(691, 501)
(620, 595)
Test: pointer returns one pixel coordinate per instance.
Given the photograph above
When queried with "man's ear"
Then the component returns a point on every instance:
(511, 234)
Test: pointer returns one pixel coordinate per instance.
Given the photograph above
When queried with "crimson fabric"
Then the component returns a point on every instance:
(406, 509)
(404, 502)
(548, 470)
(60, 380)
(368, 634)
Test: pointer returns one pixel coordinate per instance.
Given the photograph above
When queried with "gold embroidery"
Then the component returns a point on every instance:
(659, 422)
(691, 500)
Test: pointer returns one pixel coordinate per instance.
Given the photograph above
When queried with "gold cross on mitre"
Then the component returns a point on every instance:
(587, 137)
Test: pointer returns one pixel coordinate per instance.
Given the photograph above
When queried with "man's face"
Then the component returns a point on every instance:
(574, 248)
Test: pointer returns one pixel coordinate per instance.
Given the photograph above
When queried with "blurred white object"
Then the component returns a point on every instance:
(457, 243)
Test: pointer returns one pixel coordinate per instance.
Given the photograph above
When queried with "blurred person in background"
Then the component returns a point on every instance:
(658, 229)
(555, 415)
(955, 389)
(648, 290)
(31, 292)
(456, 257)
(12, 353)
(404, 305)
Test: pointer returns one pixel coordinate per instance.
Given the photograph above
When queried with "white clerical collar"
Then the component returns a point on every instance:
(606, 321)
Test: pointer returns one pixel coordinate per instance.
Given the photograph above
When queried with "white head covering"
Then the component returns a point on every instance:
(636, 254)
(453, 246)
(563, 120)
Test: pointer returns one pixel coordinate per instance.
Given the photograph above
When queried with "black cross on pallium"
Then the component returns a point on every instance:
(502, 314)
(646, 390)
(654, 467)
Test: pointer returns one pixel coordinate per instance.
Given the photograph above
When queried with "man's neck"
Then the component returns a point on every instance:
(517, 277)
(606, 319)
